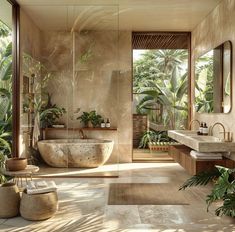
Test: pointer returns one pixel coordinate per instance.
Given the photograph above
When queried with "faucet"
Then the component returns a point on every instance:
(81, 134)
(228, 136)
(220, 124)
(194, 120)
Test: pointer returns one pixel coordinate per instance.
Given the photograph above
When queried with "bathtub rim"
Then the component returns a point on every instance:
(76, 141)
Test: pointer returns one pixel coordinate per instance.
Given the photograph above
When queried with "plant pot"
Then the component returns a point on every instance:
(9, 200)
(89, 124)
(36, 207)
(16, 164)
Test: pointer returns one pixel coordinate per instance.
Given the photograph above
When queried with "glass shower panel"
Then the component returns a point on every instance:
(46, 81)
(96, 75)
(69, 67)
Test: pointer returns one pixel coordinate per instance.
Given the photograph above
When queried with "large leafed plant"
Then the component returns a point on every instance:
(5, 95)
(223, 189)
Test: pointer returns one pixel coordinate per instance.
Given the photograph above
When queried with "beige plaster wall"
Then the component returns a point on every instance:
(215, 29)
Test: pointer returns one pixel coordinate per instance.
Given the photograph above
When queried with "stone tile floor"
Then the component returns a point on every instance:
(83, 206)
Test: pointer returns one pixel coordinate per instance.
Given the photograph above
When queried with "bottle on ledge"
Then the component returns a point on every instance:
(108, 123)
(201, 129)
(205, 129)
(102, 125)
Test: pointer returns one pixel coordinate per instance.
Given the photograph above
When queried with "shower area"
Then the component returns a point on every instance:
(70, 87)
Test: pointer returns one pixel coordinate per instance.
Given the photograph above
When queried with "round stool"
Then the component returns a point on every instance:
(36, 207)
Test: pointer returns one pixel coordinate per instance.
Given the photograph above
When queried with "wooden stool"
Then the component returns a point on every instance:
(36, 207)
(19, 177)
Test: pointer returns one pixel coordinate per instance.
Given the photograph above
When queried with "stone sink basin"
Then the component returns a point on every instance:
(201, 143)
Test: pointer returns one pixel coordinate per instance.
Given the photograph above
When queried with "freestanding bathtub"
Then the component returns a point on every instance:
(83, 153)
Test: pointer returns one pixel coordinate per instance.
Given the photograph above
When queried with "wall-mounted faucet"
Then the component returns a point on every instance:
(81, 134)
(191, 122)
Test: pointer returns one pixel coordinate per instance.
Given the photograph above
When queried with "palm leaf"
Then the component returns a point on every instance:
(202, 178)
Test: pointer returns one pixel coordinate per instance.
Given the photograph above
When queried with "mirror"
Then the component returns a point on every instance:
(213, 80)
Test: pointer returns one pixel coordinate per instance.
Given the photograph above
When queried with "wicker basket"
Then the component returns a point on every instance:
(9, 200)
(38, 207)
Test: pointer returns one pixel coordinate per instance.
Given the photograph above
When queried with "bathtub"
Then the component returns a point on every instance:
(83, 153)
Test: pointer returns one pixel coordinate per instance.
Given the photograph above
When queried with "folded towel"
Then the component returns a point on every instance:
(205, 154)
(41, 184)
(207, 157)
(34, 187)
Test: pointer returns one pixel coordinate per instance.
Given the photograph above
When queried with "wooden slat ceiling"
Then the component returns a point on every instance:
(161, 40)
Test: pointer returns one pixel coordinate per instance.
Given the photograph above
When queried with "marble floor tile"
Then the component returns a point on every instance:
(121, 216)
(83, 206)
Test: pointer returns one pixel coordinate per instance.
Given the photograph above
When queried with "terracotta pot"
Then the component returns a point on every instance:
(9, 200)
(36, 207)
(16, 164)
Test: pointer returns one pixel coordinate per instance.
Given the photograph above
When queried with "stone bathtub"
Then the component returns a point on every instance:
(83, 153)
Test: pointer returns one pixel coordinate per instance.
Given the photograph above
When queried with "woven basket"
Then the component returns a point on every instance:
(38, 207)
(9, 200)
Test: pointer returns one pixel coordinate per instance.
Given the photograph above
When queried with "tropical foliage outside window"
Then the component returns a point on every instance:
(204, 83)
(5, 94)
(160, 86)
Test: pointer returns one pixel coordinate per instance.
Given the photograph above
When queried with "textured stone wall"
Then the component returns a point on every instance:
(215, 29)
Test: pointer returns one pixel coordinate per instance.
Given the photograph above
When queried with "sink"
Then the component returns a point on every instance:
(186, 132)
(201, 143)
(206, 138)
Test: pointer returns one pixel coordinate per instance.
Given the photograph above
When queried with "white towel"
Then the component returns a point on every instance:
(205, 154)
(207, 157)
(34, 187)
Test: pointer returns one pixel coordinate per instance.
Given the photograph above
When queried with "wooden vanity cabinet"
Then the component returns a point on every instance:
(181, 155)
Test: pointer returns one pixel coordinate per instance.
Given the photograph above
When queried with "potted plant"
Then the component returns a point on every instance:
(156, 140)
(95, 118)
(49, 113)
(90, 119)
(84, 118)
(223, 188)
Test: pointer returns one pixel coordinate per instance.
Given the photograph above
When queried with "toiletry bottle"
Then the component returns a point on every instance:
(205, 129)
(102, 124)
(201, 129)
(107, 123)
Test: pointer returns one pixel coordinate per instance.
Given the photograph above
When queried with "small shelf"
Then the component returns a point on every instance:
(83, 128)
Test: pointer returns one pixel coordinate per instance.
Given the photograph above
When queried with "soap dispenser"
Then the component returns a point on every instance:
(201, 129)
(102, 124)
(108, 123)
(205, 129)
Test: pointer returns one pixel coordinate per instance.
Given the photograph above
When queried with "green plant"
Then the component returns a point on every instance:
(84, 118)
(50, 113)
(92, 117)
(161, 78)
(223, 188)
(153, 137)
(95, 118)
(5, 94)
(204, 83)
